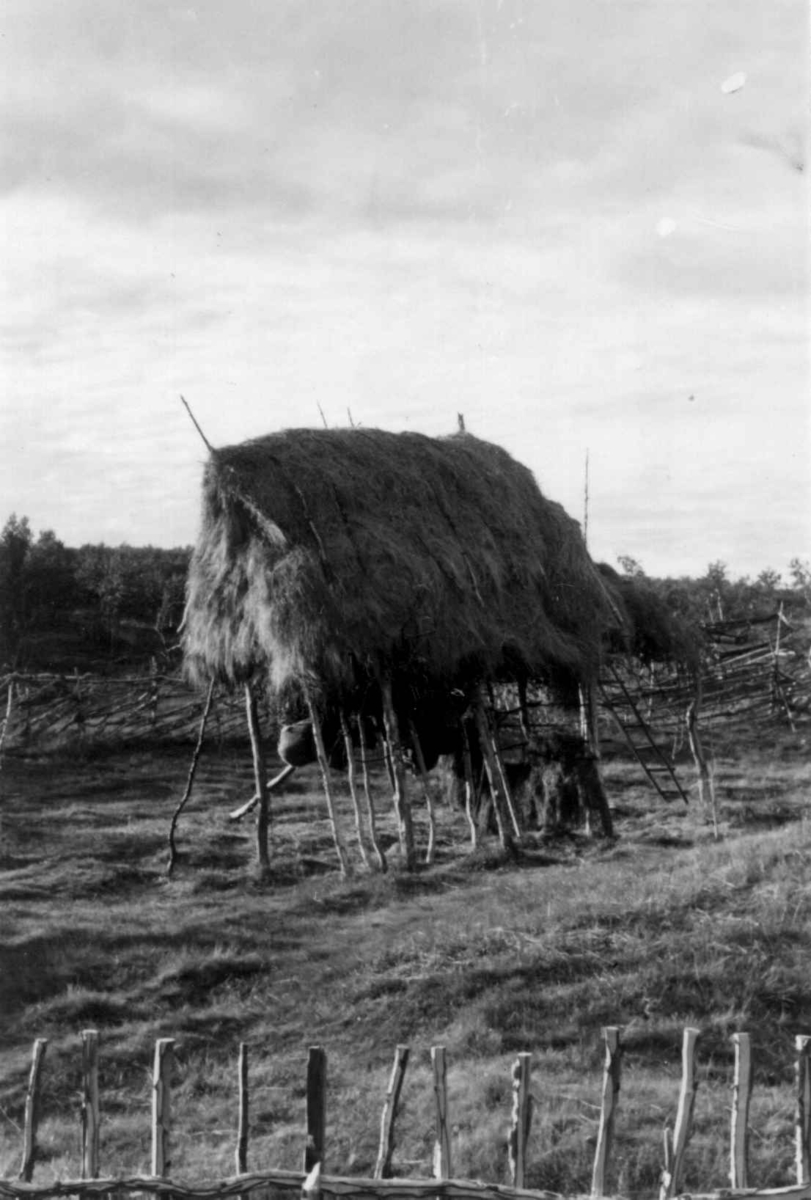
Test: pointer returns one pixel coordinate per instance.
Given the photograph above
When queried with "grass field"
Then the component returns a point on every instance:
(668, 926)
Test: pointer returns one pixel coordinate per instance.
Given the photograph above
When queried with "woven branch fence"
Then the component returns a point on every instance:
(312, 1181)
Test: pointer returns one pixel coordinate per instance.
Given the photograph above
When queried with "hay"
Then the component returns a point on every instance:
(332, 557)
(652, 632)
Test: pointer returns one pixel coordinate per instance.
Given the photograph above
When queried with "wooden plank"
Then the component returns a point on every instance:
(32, 1111)
(684, 1116)
(521, 1119)
(442, 1142)
(162, 1106)
(608, 1108)
(90, 1104)
(390, 1106)
(241, 1153)
(316, 1108)
(741, 1095)
(802, 1119)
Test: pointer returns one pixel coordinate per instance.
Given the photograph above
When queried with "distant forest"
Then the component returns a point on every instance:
(100, 607)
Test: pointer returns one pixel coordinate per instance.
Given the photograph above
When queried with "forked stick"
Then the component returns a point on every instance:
(238, 813)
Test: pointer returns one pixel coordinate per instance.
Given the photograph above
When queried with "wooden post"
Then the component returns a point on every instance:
(521, 1119)
(311, 1187)
(326, 779)
(260, 776)
(241, 1154)
(486, 740)
(402, 804)
(595, 789)
(353, 791)
(426, 792)
(90, 1104)
(189, 781)
(316, 1108)
(367, 791)
(390, 1106)
(696, 747)
(162, 1106)
(684, 1115)
(611, 1090)
(442, 1144)
(741, 1094)
(470, 788)
(32, 1111)
(802, 1136)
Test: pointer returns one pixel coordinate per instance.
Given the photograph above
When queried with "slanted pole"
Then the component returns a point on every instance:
(470, 788)
(326, 778)
(802, 1114)
(90, 1104)
(389, 1115)
(32, 1111)
(741, 1095)
(260, 776)
(684, 1117)
(353, 791)
(402, 804)
(367, 791)
(426, 791)
(608, 1109)
(493, 778)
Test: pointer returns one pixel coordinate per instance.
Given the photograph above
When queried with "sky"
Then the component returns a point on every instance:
(583, 224)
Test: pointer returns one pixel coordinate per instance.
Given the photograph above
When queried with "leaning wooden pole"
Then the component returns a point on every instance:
(32, 1111)
(426, 791)
(611, 1089)
(260, 776)
(170, 866)
(367, 791)
(326, 779)
(684, 1117)
(493, 778)
(402, 804)
(389, 1116)
(353, 791)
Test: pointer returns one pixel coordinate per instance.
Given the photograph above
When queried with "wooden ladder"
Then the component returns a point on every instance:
(638, 734)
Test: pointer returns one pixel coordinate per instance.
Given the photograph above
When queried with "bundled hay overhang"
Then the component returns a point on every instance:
(650, 630)
(330, 557)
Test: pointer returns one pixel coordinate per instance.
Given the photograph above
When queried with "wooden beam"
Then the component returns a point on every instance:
(32, 1111)
(608, 1108)
(162, 1107)
(741, 1095)
(90, 1104)
(316, 1107)
(521, 1119)
(390, 1106)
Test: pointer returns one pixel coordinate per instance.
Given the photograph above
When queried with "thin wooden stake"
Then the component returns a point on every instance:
(7, 717)
(32, 1111)
(326, 779)
(486, 740)
(390, 1105)
(367, 791)
(521, 1119)
(316, 1108)
(90, 1104)
(442, 1144)
(402, 804)
(802, 1119)
(260, 776)
(190, 780)
(684, 1115)
(162, 1106)
(311, 1187)
(608, 1109)
(241, 1154)
(741, 1095)
(426, 791)
(470, 788)
(353, 791)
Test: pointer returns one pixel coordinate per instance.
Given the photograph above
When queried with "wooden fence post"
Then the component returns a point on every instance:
(241, 1155)
(32, 1111)
(90, 1104)
(162, 1106)
(521, 1119)
(316, 1108)
(611, 1088)
(802, 1044)
(390, 1105)
(684, 1115)
(741, 1094)
(442, 1145)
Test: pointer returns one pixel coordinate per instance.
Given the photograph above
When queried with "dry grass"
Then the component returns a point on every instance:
(663, 929)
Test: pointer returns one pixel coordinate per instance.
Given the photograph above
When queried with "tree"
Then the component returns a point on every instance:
(15, 545)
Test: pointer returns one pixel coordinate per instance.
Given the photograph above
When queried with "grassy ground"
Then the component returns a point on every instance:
(667, 927)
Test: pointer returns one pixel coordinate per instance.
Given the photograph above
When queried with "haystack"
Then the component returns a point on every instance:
(650, 631)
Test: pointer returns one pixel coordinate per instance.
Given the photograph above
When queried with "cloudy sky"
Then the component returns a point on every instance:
(581, 223)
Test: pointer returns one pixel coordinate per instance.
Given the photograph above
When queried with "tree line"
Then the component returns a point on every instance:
(58, 601)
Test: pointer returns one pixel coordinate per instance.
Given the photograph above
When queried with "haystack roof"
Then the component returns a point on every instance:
(333, 555)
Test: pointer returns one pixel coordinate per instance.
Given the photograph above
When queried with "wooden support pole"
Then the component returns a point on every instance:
(260, 776)
(802, 1118)
(402, 804)
(470, 788)
(350, 774)
(241, 1153)
(521, 1119)
(442, 1143)
(523, 711)
(741, 1095)
(316, 1108)
(90, 1104)
(684, 1115)
(367, 791)
(32, 1111)
(190, 780)
(162, 1106)
(390, 1106)
(426, 791)
(326, 779)
(608, 1108)
(486, 740)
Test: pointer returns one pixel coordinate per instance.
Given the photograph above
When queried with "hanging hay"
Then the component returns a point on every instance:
(651, 631)
(334, 557)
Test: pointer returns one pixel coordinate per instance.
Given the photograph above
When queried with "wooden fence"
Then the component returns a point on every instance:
(311, 1181)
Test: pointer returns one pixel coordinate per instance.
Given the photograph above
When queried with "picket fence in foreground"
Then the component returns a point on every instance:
(311, 1183)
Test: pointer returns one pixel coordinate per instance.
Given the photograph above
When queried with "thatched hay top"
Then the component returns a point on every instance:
(652, 632)
(336, 554)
